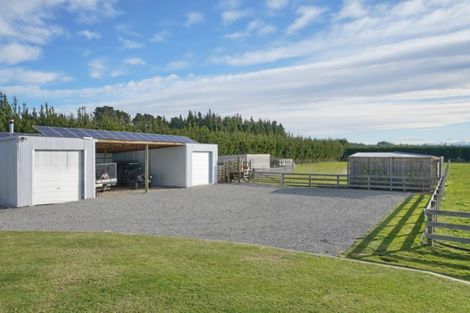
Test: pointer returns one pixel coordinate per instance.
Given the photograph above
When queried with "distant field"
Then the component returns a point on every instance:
(397, 239)
(89, 272)
(322, 168)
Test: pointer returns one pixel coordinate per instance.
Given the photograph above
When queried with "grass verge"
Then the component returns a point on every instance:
(397, 239)
(312, 168)
(58, 272)
(322, 168)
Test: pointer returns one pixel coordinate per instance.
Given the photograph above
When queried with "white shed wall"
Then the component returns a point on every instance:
(212, 149)
(25, 158)
(8, 170)
(258, 161)
(167, 165)
(172, 167)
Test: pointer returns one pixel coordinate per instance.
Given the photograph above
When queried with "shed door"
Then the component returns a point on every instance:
(58, 176)
(201, 168)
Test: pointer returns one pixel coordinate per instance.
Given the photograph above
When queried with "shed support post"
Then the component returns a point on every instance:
(147, 168)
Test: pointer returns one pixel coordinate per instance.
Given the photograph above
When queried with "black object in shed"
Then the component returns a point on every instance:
(394, 170)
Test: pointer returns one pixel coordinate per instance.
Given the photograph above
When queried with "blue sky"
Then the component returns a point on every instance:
(357, 69)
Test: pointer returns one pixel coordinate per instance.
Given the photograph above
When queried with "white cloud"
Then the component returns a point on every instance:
(126, 30)
(97, 68)
(27, 77)
(161, 36)
(307, 15)
(229, 4)
(32, 21)
(193, 18)
(90, 35)
(14, 53)
(134, 61)
(90, 11)
(236, 35)
(129, 44)
(257, 27)
(28, 21)
(231, 16)
(261, 28)
(383, 25)
(116, 73)
(176, 65)
(276, 4)
(352, 9)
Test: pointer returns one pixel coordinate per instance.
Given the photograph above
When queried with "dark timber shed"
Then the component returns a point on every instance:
(394, 170)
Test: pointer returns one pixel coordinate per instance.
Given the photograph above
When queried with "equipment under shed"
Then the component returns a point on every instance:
(59, 164)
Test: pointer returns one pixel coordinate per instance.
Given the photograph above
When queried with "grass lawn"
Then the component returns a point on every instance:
(71, 272)
(457, 198)
(397, 239)
(322, 168)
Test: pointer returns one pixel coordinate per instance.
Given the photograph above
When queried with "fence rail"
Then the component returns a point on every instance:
(302, 179)
(342, 181)
(433, 210)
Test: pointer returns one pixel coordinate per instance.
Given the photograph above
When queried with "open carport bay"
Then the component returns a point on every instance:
(316, 220)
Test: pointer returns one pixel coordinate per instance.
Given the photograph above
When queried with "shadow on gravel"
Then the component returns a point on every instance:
(335, 192)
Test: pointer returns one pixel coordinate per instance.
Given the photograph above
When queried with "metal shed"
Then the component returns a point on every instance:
(394, 170)
(58, 164)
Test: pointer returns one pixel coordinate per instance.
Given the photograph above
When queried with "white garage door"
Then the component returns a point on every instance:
(58, 176)
(201, 168)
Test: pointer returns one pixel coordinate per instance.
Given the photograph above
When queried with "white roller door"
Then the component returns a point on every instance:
(57, 176)
(201, 168)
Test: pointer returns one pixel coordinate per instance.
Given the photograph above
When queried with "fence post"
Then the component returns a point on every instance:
(368, 182)
(310, 180)
(337, 181)
(239, 171)
(429, 229)
(282, 179)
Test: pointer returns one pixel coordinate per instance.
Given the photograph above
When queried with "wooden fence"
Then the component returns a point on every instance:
(342, 181)
(433, 210)
(301, 179)
(393, 183)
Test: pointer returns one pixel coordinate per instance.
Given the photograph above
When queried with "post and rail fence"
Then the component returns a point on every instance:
(301, 179)
(433, 210)
(343, 181)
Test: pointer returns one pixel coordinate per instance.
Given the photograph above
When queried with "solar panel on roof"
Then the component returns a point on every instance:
(109, 135)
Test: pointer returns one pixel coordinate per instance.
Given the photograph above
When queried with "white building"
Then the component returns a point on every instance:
(58, 165)
(258, 161)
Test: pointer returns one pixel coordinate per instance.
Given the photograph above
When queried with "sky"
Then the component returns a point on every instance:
(363, 70)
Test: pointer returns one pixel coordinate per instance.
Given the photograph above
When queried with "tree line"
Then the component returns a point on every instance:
(234, 134)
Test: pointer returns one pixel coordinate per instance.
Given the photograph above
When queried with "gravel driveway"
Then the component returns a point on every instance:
(317, 220)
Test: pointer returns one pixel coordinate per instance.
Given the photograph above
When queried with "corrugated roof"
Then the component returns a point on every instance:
(391, 155)
(109, 135)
